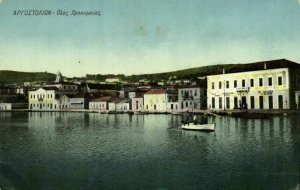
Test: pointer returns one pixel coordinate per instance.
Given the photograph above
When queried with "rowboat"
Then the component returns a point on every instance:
(199, 127)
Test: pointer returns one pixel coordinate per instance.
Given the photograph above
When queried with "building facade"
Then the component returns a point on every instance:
(261, 89)
(5, 106)
(157, 99)
(47, 98)
(137, 104)
(191, 98)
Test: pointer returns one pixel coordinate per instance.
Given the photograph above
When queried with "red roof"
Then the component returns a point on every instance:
(157, 91)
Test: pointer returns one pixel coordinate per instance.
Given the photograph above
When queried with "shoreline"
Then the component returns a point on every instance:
(259, 114)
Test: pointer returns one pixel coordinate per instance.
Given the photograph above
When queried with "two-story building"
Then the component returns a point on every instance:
(158, 99)
(191, 98)
(47, 98)
(263, 85)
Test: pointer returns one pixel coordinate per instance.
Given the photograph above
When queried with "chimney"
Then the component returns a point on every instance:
(265, 66)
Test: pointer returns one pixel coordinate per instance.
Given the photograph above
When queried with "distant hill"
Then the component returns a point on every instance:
(7, 77)
(192, 73)
(218, 69)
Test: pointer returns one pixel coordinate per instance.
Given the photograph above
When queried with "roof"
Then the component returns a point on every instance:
(157, 91)
(256, 66)
(50, 88)
(124, 101)
(101, 86)
(80, 96)
(107, 99)
(189, 87)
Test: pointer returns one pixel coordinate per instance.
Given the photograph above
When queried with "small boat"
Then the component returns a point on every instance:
(199, 127)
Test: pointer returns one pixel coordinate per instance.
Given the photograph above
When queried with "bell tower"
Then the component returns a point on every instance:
(58, 77)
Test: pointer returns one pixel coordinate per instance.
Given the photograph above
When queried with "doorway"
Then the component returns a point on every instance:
(280, 102)
(244, 102)
(270, 102)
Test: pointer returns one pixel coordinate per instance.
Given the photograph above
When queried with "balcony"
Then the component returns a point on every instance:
(242, 89)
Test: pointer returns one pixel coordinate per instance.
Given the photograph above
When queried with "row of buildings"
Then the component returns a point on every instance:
(264, 85)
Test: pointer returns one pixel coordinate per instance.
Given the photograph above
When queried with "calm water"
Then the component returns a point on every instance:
(94, 151)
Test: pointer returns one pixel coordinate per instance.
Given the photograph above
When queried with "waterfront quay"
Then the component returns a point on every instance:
(269, 87)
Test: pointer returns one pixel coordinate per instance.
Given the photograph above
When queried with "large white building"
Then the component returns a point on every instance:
(47, 98)
(158, 99)
(272, 87)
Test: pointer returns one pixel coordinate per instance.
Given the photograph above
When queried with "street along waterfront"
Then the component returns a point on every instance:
(64, 150)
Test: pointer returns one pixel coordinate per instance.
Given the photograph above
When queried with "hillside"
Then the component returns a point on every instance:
(192, 73)
(217, 69)
(20, 77)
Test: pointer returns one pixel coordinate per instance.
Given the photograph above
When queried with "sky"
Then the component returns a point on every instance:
(143, 36)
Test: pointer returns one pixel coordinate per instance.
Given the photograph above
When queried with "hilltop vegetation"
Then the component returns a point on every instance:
(192, 73)
(7, 77)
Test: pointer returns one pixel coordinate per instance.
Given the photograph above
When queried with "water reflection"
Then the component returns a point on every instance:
(55, 150)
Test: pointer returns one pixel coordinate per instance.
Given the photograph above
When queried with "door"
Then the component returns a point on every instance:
(252, 102)
(280, 102)
(270, 102)
(235, 103)
(244, 102)
(261, 102)
(227, 103)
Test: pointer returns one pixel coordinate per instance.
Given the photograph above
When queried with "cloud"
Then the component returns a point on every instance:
(1, 1)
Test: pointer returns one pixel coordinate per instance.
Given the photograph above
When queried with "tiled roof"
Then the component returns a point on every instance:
(157, 91)
(272, 64)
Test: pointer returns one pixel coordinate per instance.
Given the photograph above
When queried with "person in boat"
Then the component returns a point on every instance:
(195, 121)
(186, 119)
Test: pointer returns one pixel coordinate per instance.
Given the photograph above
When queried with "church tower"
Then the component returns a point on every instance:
(58, 77)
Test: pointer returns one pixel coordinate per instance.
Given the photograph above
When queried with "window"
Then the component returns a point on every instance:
(270, 81)
(243, 83)
(260, 81)
(235, 83)
(280, 80)
(227, 84)
(220, 85)
(251, 82)
(220, 103)
(212, 85)
(195, 94)
(213, 102)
